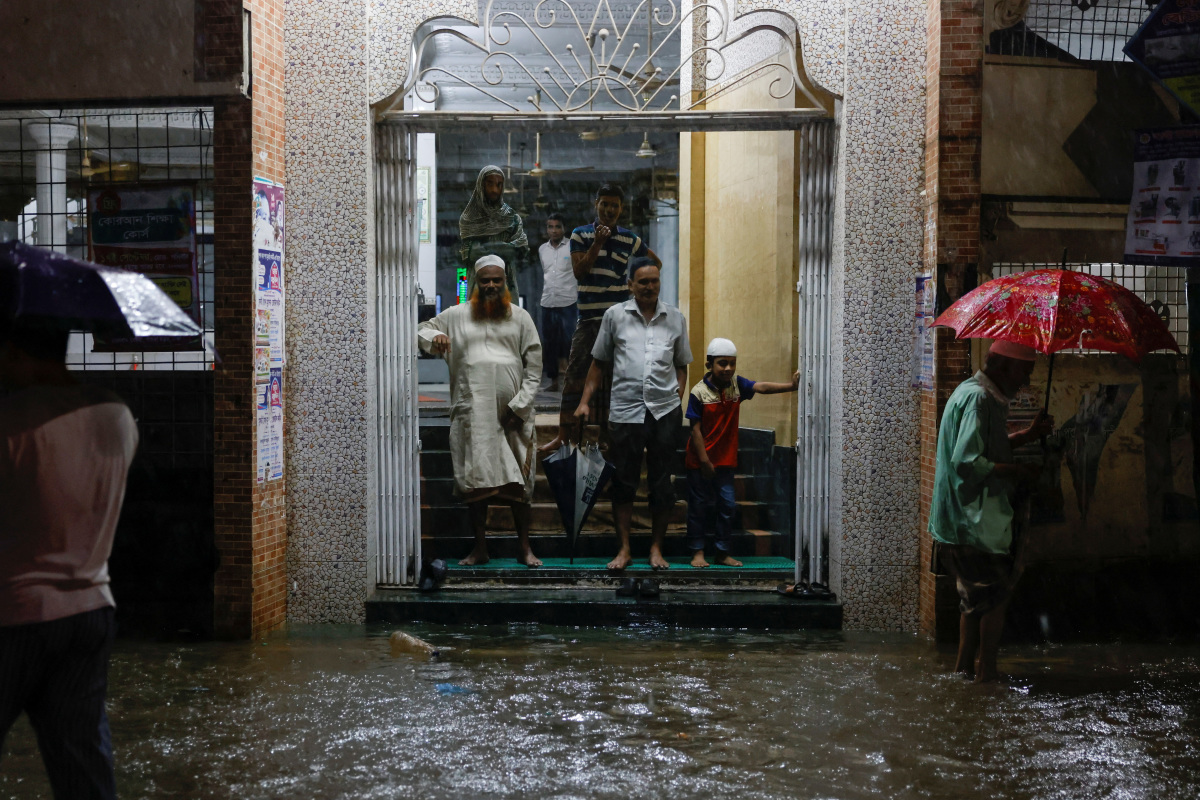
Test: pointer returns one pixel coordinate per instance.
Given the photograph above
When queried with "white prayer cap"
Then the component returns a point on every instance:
(721, 347)
(1019, 352)
(489, 261)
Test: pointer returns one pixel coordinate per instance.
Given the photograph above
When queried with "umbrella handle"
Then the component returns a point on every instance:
(1049, 380)
(1046, 403)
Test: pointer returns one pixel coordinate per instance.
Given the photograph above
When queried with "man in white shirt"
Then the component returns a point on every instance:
(65, 451)
(646, 342)
(559, 293)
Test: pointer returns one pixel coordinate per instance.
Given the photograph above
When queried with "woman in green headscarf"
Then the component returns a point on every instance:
(489, 226)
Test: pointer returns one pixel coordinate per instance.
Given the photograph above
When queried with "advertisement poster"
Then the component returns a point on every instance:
(923, 333)
(1163, 226)
(269, 352)
(148, 228)
(1168, 47)
(262, 394)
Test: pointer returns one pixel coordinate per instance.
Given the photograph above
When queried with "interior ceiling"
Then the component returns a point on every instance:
(560, 151)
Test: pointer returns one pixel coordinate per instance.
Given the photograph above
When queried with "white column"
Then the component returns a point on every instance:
(51, 137)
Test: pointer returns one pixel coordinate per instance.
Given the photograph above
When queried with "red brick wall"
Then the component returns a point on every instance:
(251, 584)
(953, 130)
(270, 499)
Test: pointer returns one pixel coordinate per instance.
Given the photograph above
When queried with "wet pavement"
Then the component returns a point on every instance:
(528, 711)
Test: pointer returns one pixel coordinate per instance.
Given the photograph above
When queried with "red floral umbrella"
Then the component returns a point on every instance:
(1057, 309)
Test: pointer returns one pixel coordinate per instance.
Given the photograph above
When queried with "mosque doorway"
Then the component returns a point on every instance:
(732, 188)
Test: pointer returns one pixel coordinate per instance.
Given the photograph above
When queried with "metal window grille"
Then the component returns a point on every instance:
(1164, 288)
(106, 147)
(58, 155)
(1073, 30)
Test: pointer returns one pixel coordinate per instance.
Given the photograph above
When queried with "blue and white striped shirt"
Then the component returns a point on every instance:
(608, 282)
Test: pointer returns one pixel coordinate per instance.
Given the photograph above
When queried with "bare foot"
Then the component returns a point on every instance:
(529, 559)
(698, 560)
(622, 560)
(552, 445)
(728, 561)
(656, 558)
(477, 557)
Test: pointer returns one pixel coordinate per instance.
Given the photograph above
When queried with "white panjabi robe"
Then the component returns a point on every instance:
(494, 365)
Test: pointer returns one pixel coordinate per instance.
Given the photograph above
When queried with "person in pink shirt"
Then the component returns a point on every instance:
(65, 451)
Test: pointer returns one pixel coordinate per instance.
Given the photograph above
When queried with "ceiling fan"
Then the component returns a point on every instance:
(537, 171)
(117, 170)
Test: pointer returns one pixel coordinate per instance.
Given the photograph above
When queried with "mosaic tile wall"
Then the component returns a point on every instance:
(864, 53)
(340, 52)
(329, 253)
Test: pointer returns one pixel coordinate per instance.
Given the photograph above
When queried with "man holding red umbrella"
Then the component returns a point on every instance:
(971, 517)
(1044, 310)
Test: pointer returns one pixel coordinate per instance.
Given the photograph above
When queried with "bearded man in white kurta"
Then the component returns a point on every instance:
(495, 360)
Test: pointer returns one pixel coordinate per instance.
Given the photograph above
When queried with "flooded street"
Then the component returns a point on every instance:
(530, 711)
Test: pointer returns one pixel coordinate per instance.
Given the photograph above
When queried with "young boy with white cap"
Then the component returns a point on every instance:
(714, 408)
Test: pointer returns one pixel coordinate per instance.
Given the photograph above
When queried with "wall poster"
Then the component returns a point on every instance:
(269, 355)
(148, 228)
(1168, 47)
(1163, 227)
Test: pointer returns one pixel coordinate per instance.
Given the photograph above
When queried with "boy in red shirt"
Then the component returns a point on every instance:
(712, 451)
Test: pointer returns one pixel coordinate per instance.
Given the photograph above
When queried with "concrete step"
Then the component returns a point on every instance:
(452, 519)
(696, 608)
(440, 491)
(439, 521)
(753, 456)
(603, 544)
(756, 572)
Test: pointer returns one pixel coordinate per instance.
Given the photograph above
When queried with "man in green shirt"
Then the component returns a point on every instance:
(971, 515)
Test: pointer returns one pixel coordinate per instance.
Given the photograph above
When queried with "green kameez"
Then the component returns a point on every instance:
(970, 504)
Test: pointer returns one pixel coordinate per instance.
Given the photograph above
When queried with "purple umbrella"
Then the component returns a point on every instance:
(41, 284)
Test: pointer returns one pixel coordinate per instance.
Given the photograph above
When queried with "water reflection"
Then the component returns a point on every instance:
(649, 712)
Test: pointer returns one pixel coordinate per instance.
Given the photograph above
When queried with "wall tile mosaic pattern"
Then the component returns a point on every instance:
(329, 250)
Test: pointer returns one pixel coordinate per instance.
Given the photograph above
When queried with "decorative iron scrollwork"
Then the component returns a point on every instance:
(610, 63)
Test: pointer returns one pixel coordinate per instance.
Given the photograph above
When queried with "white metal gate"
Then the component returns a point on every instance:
(817, 154)
(398, 441)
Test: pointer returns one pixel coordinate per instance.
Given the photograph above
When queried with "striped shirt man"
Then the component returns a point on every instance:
(607, 284)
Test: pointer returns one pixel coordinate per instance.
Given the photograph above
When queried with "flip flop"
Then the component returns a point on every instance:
(794, 590)
(629, 588)
(820, 591)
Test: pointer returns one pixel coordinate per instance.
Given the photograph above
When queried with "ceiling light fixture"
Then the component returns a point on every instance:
(646, 150)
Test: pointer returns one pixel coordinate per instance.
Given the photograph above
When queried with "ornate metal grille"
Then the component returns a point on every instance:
(628, 57)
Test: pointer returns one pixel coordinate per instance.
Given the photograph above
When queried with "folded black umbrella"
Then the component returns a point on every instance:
(576, 477)
(42, 285)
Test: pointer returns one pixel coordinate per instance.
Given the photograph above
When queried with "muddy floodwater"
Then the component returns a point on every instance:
(528, 711)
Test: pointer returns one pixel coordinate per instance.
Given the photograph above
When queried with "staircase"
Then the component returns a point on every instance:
(764, 487)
